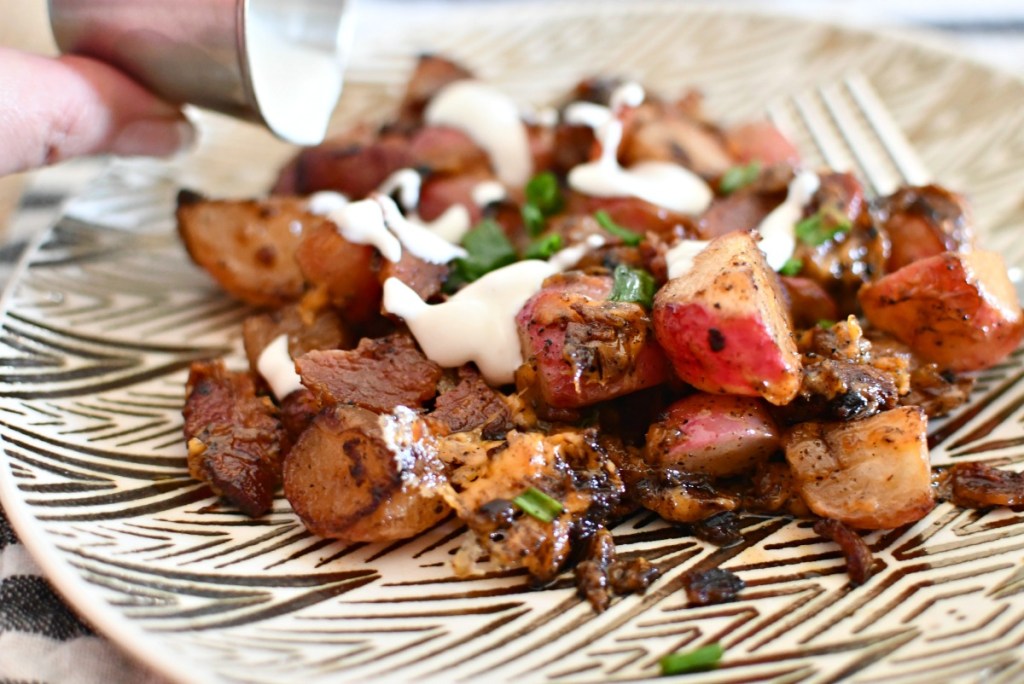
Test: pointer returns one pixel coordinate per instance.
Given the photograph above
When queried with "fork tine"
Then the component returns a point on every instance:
(852, 130)
(895, 144)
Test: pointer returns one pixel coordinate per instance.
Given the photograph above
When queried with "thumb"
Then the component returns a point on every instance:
(53, 109)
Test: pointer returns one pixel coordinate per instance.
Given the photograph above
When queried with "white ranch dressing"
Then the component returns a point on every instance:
(680, 258)
(491, 119)
(777, 230)
(408, 182)
(278, 369)
(360, 222)
(477, 323)
(377, 221)
(665, 184)
(451, 226)
(488, 192)
(778, 234)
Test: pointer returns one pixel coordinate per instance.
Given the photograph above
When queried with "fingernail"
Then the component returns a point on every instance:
(154, 137)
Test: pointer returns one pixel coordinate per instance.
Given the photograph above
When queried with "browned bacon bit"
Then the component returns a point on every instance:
(979, 485)
(234, 437)
(632, 576)
(859, 561)
(722, 529)
(601, 574)
(715, 585)
(378, 375)
(592, 573)
(472, 404)
(323, 330)
(423, 277)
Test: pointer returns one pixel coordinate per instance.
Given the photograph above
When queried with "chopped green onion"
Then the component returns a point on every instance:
(792, 267)
(625, 234)
(825, 323)
(739, 177)
(489, 249)
(821, 227)
(533, 219)
(536, 503)
(543, 248)
(704, 658)
(632, 285)
(542, 191)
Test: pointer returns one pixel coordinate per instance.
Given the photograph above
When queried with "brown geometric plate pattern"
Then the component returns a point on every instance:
(106, 314)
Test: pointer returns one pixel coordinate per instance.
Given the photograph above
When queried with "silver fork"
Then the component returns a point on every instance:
(848, 126)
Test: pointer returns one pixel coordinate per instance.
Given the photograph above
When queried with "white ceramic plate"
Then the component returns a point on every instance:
(102, 321)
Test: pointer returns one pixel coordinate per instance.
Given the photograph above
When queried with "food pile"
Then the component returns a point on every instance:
(543, 321)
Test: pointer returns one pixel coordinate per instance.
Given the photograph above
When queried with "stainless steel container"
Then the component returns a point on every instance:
(278, 62)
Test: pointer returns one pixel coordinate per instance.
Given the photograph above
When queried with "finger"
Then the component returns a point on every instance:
(53, 109)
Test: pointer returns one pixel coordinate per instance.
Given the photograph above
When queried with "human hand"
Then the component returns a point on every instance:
(54, 109)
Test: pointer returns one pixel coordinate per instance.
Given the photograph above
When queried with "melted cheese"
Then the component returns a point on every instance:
(278, 369)
(491, 119)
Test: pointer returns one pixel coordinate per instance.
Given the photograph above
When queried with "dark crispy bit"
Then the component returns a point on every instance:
(722, 529)
(234, 437)
(936, 391)
(592, 573)
(632, 576)
(772, 490)
(709, 587)
(378, 375)
(298, 410)
(324, 331)
(859, 561)
(845, 391)
(979, 485)
(473, 404)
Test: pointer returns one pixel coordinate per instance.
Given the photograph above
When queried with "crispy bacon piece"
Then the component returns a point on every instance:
(601, 574)
(324, 331)
(712, 586)
(378, 375)
(859, 560)
(980, 485)
(424, 278)
(808, 302)
(353, 164)
(234, 437)
(472, 404)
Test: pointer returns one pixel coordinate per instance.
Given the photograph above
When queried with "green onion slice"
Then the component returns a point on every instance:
(821, 227)
(792, 267)
(533, 219)
(704, 658)
(543, 248)
(739, 177)
(489, 249)
(536, 503)
(542, 192)
(632, 285)
(625, 234)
